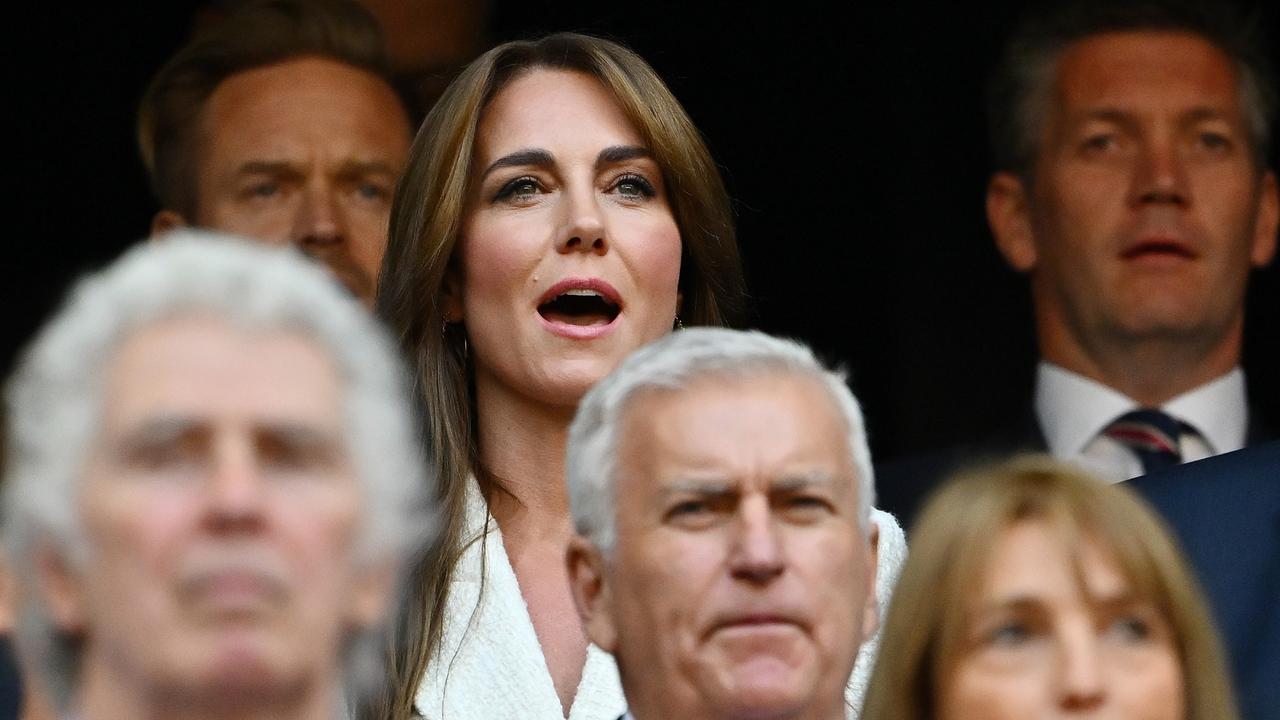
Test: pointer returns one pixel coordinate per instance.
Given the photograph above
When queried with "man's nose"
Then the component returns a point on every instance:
(1081, 681)
(758, 555)
(1160, 175)
(583, 229)
(319, 221)
(235, 491)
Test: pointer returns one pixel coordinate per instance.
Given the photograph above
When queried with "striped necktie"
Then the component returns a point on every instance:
(1152, 435)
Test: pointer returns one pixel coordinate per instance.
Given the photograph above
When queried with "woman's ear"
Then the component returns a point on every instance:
(452, 306)
(167, 220)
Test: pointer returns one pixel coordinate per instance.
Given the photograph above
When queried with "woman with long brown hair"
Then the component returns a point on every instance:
(1036, 591)
(559, 210)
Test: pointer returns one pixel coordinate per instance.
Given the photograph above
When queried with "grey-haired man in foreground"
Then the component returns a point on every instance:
(214, 480)
(727, 552)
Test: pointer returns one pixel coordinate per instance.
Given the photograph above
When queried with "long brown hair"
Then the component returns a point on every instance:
(426, 218)
(951, 546)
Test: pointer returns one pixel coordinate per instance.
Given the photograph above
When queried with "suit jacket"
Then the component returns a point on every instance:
(903, 484)
(1225, 512)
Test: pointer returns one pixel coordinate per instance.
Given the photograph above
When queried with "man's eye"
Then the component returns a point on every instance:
(372, 191)
(689, 508)
(807, 503)
(1214, 141)
(1100, 143)
(264, 190)
(166, 456)
(520, 188)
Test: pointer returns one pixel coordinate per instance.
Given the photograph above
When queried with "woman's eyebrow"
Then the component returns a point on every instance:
(521, 158)
(621, 153)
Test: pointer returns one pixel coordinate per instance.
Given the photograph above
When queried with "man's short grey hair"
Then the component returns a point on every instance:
(674, 363)
(1020, 87)
(54, 407)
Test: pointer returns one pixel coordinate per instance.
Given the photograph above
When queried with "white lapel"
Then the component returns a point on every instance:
(490, 665)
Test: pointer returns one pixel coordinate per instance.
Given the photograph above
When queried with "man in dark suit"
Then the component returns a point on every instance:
(1132, 189)
(1225, 512)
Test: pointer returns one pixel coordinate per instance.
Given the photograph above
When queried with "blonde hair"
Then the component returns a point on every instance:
(426, 219)
(951, 546)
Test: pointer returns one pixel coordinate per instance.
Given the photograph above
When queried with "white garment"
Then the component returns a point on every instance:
(490, 665)
(1074, 411)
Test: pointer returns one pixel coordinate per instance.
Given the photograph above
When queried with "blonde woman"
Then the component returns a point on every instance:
(1034, 591)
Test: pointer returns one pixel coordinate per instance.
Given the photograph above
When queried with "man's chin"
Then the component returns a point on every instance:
(767, 682)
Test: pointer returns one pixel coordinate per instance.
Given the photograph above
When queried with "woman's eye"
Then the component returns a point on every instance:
(1010, 634)
(1130, 628)
(634, 186)
(524, 187)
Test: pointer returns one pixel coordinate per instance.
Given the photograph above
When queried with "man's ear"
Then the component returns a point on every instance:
(871, 609)
(59, 591)
(1009, 215)
(166, 220)
(591, 593)
(1264, 232)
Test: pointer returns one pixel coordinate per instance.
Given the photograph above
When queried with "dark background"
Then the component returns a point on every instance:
(852, 142)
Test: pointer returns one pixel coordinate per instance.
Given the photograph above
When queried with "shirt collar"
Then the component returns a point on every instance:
(1072, 409)
(1218, 410)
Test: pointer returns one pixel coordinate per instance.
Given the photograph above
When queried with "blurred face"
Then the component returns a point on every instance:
(305, 152)
(741, 582)
(569, 255)
(220, 510)
(1147, 210)
(1049, 637)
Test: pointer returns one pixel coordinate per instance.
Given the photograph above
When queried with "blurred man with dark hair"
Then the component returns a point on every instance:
(280, 123)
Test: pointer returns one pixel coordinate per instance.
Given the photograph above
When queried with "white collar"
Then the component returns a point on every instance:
(1072, 409)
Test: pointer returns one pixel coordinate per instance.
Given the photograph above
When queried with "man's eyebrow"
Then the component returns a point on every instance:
(621, 153)
(801, 481)
(355, 168)
(529, 156)
(1109, 114)
(268, 167)
(702, 488)
(158, 429)
(1201, 113)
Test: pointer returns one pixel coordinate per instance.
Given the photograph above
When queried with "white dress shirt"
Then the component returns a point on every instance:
(1074, 411)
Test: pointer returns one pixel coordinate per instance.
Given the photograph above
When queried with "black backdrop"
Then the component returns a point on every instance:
(852, 142)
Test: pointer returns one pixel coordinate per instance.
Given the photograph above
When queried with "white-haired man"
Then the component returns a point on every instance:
(727, 552)
(214, 479)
